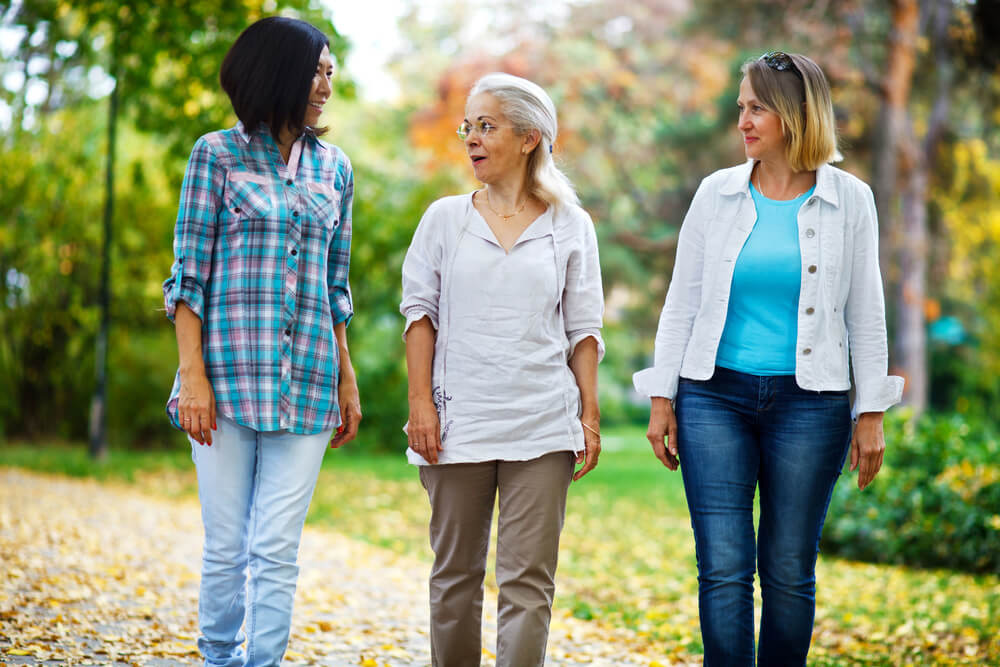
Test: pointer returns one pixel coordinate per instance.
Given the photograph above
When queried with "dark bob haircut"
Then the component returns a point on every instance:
(268, 73)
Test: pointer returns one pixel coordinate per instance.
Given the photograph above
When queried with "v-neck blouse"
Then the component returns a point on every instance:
(507, 323)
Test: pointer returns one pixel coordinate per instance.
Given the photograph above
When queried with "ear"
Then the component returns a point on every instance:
(530, 140)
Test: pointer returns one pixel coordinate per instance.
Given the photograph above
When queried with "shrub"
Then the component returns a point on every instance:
(936, 502)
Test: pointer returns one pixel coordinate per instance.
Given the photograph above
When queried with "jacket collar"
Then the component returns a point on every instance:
(738, 182)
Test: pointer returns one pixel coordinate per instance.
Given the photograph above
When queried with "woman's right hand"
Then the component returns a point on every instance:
(663, 424)
(196, 408)
(423, 432)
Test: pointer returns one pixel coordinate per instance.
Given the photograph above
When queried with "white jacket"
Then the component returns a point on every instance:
(841, 306)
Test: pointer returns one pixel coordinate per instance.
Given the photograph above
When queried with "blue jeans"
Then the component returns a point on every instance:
(738, 432)
(254, 489)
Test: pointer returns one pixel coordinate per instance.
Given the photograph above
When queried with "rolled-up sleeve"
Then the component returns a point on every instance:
(339, 260)
(583, 294)
(422, 273)
(194, 232)
(875, 389)
(682, 302)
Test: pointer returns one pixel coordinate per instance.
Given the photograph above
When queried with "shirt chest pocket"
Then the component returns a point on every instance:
(324, 204)
(248, 196)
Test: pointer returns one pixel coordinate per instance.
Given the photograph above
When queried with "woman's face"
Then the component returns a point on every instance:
(320, 90)
(496, 150)
(761, 128)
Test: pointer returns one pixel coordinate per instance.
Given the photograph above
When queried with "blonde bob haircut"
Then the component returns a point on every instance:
(529, 108)
(804, 105)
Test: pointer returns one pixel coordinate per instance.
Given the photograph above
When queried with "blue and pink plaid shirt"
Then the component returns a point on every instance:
(261, 255)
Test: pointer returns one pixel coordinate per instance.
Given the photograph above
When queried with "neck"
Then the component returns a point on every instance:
(508, 194)
(777, 180)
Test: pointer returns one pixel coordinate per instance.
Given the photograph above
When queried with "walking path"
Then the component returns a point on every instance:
(100, 574)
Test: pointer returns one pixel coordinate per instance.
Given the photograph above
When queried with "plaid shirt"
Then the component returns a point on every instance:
(261, 255)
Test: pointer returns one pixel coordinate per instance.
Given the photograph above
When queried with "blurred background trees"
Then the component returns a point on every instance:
(645, 92)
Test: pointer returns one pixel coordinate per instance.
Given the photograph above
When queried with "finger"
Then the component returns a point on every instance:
(590, 462)
(854, 455)
(660, 451)
(672, 438)
(215, 425)
(580, 457)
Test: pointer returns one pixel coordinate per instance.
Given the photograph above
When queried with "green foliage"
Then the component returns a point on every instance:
(49, 261)
(936, 502)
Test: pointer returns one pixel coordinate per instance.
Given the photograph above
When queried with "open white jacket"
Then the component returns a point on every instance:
(841, 305)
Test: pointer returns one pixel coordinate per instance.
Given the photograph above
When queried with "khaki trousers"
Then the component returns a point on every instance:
(532, 508)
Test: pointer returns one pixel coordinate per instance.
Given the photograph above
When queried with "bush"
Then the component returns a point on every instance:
(936, 502)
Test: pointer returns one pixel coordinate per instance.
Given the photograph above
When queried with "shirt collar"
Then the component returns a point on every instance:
(309, 133)
(738, 182)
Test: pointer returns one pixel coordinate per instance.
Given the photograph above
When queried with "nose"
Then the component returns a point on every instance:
(744, 123)
(471, 139)
(324, 87)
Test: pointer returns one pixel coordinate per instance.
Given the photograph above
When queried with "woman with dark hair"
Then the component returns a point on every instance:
(259, 296)
(776, 282)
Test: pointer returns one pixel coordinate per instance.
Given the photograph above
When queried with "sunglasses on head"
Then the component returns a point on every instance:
(780, 61)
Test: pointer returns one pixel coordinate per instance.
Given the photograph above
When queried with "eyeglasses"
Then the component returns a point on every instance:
(481, 126)
(780, 61)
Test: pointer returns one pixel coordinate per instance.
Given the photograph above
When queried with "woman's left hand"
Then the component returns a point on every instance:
(592, 447)
(867, 447)
(350, 412)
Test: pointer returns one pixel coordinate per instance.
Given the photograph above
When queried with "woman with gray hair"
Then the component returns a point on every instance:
(503, 303)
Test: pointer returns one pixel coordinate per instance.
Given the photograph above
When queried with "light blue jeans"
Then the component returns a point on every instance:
(255, 489)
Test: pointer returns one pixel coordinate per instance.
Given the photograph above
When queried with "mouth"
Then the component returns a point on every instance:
(476, 159)
(749, 140)
(317, 106)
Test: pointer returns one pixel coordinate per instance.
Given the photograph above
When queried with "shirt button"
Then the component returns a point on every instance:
(295, 214)
(288, 332)
(812, 268)
(236, 210)
(810, 310)
(294, 252)
(810, 233)
(808, 350)
(288, 182)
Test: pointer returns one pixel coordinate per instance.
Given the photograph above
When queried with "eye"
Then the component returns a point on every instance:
(485, 127)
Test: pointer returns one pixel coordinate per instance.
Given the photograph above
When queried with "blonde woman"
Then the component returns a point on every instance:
(503, 303)
(776, 280)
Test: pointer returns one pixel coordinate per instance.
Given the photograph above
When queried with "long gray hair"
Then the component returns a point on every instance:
(529, 108)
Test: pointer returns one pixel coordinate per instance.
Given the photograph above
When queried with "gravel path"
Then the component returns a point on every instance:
(100, 574)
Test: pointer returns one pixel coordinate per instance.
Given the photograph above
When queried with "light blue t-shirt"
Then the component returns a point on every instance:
(762, 320)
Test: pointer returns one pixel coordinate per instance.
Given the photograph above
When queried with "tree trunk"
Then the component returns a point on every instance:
(98, 405)
(901, 182)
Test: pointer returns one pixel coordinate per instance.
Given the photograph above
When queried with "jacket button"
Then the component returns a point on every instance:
(812, 268)
(810, 202)
(810, 310)
(808, 350)
(810, 233)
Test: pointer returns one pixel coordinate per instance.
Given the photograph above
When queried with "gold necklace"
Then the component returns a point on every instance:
(501, 215)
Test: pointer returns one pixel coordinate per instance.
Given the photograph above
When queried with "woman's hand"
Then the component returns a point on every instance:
(423, 432)
(196, 407)
(867, 447)
(350, 411)
(663, 424)
(591, 444)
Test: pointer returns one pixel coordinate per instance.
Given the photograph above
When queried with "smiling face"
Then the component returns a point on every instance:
(319, 91)
(499, 153)
(761, 128)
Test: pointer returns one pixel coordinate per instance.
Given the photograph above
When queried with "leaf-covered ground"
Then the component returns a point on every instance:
(626, 586)
(101, 574)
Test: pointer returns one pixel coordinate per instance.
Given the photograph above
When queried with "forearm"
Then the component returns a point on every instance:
(346, 367)
(583, 363)
(419, 358)
(187, 326)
